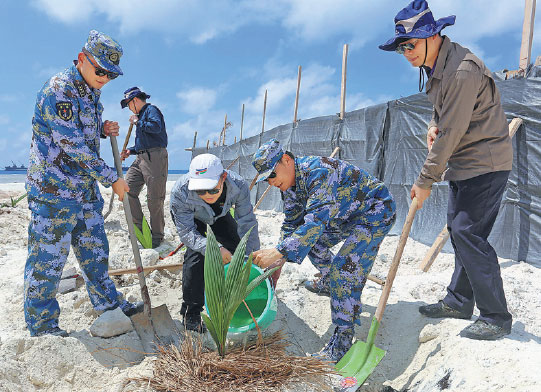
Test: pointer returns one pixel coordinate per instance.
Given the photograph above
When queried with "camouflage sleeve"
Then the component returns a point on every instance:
(293, 214)
(319, 210)
(62, 117)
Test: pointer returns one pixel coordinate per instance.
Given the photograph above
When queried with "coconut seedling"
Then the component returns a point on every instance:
(145, 236)
(225, 293)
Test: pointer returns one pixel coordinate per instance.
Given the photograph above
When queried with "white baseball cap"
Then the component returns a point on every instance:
(205, 171)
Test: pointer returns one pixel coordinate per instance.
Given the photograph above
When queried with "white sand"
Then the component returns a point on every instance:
(80, 363)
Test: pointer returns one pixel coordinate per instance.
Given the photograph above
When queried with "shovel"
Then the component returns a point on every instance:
(362, 358)
(154, 325)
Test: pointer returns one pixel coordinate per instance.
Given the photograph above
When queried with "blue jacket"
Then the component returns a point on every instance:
(65, 162)
(329, 195)
(187, 206)
(150, 129)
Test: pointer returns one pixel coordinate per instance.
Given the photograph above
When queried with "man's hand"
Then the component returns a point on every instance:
(265, 258)
(119, 187)
(431, 137)
(226, 255)
(134, 118)
(124, 154)
(110, 128)
(421, 195)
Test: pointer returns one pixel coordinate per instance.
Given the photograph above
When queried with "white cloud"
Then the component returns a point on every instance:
(193, 21)
(197, 99)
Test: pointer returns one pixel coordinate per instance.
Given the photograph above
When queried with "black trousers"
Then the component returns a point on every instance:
(473, 206)
(193, 271)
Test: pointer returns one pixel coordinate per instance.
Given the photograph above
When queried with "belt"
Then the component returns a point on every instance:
(148, 150)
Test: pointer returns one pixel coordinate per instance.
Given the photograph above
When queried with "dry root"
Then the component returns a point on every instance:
(257, 367)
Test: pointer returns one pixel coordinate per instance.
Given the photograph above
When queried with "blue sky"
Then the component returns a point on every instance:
(201, 60)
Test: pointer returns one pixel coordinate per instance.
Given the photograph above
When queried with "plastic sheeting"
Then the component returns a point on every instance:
(389, 141)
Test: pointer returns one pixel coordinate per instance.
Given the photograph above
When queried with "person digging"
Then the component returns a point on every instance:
(327, 201)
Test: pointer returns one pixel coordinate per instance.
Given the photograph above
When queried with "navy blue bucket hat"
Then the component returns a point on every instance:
(416, 21)
(130, 94)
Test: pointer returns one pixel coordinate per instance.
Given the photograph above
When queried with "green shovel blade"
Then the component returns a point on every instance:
(360, 360)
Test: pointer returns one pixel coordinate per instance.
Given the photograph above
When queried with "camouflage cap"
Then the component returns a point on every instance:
(105, 50)
(266, 158)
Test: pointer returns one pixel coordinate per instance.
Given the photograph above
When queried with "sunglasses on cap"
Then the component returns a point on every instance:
(101, 72)
(400, 49)
(272, 175)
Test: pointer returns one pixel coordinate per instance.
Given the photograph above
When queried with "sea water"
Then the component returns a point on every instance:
(9, 176)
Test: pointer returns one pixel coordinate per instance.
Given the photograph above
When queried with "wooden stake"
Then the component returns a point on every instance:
(241, 122)
(264, 111)
(193, 146)
(344, 72)
(527, 34)
(297, 95)
(225, 128)
(442, 238)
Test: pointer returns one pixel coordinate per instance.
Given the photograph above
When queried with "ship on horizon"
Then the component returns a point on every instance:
(14, 167)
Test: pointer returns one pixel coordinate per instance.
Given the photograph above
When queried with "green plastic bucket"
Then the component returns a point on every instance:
(262, 304)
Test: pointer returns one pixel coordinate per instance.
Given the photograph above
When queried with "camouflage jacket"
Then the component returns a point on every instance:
(329, 196)
(65, 151)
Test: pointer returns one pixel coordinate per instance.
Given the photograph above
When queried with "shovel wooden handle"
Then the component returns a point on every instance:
(396, 260)
(131, 231)
(127, 140)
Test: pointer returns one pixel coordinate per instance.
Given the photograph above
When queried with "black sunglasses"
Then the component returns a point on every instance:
(101, 72)
(272, 175)
(400, 49)
(213, 191)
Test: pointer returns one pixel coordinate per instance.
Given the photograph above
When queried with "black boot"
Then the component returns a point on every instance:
(441, 310)
(481, 330)
(192, 322)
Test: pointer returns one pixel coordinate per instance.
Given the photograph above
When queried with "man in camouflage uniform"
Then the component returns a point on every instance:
(327, 201)
(63, 193)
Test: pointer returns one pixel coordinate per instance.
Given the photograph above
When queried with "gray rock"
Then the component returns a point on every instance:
(149, 257)
(111, 323)
(428, 333)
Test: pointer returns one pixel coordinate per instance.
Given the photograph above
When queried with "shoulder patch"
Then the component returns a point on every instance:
(80, 88)
(64, 110)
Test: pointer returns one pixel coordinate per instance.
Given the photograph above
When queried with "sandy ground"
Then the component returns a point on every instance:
(444, 361)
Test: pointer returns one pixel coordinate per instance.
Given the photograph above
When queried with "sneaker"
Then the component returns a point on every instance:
(481, 330)
(135, 308)
(317, 286)
(341, 341)
(440, 310)
(56, 331)
(193, 322)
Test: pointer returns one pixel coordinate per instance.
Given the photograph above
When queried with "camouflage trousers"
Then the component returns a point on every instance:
(50, 233)
(345, 273)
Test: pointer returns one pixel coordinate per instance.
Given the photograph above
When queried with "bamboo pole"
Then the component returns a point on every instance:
(527, 34)
(241, 122)
(297, 95)
(343, 89)
(225, 129)
(192, 149)
(442, 238)
(264, 112)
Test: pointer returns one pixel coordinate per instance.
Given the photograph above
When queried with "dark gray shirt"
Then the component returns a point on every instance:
(473, 136)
